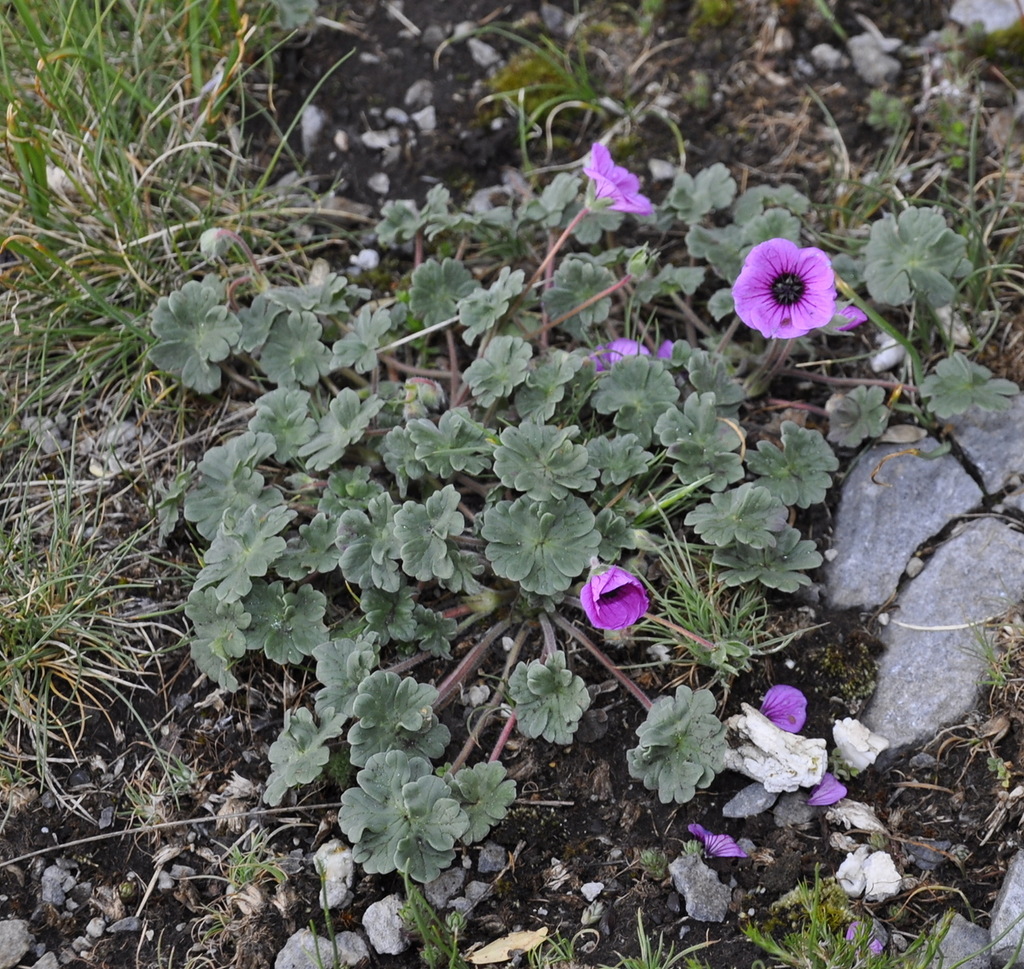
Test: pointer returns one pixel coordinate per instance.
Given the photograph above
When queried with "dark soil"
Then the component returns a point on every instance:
(580, 817)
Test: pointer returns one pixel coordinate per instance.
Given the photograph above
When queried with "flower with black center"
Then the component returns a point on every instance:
(784, 291)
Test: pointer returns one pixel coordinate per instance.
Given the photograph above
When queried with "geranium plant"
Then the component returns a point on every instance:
(424, 478)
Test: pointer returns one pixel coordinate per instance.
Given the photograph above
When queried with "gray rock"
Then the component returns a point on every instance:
(493, 857)
(420, 94)
(983, 434)
(384, 926)
(825, 57)
(1008, 917)
(752, 800)
(793, 811)
(426, 118)
(54, 885)
(445, 887)
(705, 897)
(352, 949)
(871, 61)
(927, 854)
(929, 673)
(881, 523)
(305, 950)
(15, 940)
(95, 928)
(962, 946)
(47, 961)
(129, 924)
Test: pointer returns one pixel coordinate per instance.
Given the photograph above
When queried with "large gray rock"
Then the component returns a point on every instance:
(384, 927)
(705, 897)
(935, 654)
(965, 946)
(305, 950)
(15, 940)
(1008, 917)
(991, 442)
(885, 513)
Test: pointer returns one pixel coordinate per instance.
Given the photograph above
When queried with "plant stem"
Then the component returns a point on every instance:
(588, 302)
(682, 632)
(822, 378)
(457, 677)
(642, 698)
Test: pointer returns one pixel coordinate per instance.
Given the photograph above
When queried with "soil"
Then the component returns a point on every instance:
(745, 97)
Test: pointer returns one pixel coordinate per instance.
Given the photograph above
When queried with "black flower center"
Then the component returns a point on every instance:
(787, 288)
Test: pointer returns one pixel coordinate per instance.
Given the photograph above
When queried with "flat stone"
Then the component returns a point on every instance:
(1008, 917)
(989, 444)
(15, 940)
(793, 811)
(445, 887)
(750, 801)
(881, 523)
(929, 673)
(964, 946)
(705, 897)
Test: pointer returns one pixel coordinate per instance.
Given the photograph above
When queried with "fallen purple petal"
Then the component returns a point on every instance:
(786, 707)
(716, 845)
(827, 792)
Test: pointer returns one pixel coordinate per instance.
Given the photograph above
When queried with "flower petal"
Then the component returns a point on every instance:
(786, 707)
(614, 599)
(716, 845)
(827, 792)
(614, 182)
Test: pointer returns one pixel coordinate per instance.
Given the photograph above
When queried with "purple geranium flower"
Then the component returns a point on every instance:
(784, 291)
(614, 182)
(716, 845)
(665, 350)
(828, 791)
(614, 599)
(874, 944)
(607, 354)
(786, 707)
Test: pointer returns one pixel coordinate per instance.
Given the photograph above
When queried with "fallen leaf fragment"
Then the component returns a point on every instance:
(503, 949)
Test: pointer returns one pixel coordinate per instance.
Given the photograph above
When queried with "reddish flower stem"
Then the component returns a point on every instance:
(848, 381)
(506, 732)
(679, 629)
(551, 324)
(453, 680)
(642, 698)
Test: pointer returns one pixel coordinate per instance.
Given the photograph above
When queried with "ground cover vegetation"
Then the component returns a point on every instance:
(546, 443)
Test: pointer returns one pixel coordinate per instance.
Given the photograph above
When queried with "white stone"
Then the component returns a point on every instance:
(483, 54)
(871, 874)
(889, 356)
(379, 183)
(426, 118)
(311, 125)
(991, 14)
(855, 815)
(591, 890)
(781, 761)
(662, 170)
(365, 259)
(378, 140)
(336, 867)
(857, 745)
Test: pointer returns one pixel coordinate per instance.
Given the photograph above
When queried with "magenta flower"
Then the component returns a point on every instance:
(874, 944)
(783, 291)
(827, 792)
(855, 315)
(716, 845)
(786, 707)
(607, 354)
(665, 350)
(614, 182)
(614, 599)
